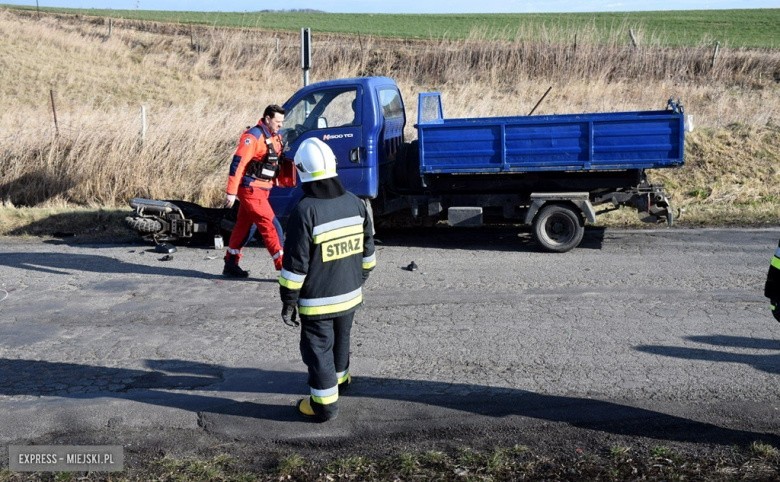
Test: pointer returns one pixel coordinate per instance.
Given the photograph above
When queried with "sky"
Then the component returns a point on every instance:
(409, 6)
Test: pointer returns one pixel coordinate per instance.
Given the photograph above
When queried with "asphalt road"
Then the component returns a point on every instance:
(659, 337)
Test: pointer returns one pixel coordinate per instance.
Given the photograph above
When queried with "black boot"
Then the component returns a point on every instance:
(316, 411)
(232, 269)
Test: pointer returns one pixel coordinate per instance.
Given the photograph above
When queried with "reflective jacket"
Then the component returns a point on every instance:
(251, 147)
(328, 252)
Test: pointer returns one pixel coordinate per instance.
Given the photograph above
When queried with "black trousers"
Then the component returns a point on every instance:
(325, 350)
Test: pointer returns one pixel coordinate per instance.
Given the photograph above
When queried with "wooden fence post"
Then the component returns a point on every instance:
(362, 54)
(715, 54)
(633, 38)
(143, 124)
(54, 111)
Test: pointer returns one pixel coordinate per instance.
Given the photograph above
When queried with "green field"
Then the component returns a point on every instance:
(674, 28)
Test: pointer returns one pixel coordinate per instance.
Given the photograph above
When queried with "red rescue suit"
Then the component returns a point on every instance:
(251, 180)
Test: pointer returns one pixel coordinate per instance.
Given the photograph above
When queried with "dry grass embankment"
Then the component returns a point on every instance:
(201, 86)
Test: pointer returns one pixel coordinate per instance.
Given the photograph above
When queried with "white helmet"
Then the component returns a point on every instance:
(315, 160)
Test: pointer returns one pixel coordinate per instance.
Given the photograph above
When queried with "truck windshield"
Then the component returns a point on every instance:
(322, 110)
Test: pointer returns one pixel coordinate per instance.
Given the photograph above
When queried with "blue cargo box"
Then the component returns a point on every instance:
(568, 142)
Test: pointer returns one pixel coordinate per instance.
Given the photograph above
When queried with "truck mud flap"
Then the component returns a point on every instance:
(579, 199)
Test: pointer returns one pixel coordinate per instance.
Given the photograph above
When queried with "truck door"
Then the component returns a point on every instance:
(391, 136)
(332, 115)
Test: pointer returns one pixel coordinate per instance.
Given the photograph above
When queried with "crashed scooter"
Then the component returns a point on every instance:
(180, 222)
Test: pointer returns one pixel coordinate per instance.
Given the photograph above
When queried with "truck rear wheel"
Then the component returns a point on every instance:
(558, 228)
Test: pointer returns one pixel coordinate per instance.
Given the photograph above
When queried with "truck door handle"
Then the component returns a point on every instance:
(354, 155)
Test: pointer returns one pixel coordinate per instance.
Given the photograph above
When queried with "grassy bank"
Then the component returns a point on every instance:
(610, 463)
(199, 87)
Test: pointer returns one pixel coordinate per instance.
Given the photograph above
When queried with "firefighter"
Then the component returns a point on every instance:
(253, 172)
(329, 253)
(772, 286)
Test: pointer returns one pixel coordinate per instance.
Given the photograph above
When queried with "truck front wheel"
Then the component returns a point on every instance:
(558, 228)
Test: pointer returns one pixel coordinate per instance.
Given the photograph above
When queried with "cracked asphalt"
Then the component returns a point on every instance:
(656, 336)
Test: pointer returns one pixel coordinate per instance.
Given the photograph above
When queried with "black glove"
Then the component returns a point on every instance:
(366, 272)
(289, 315)
(776, 310)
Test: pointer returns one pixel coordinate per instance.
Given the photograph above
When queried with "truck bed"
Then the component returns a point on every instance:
(569, 142)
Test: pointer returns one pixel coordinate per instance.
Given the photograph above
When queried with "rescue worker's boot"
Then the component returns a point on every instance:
(317, 411)
(232, 269)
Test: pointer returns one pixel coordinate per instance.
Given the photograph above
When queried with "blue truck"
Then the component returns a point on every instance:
(547, 171)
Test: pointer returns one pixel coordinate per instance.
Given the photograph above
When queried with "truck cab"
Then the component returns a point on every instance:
(361, 119)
